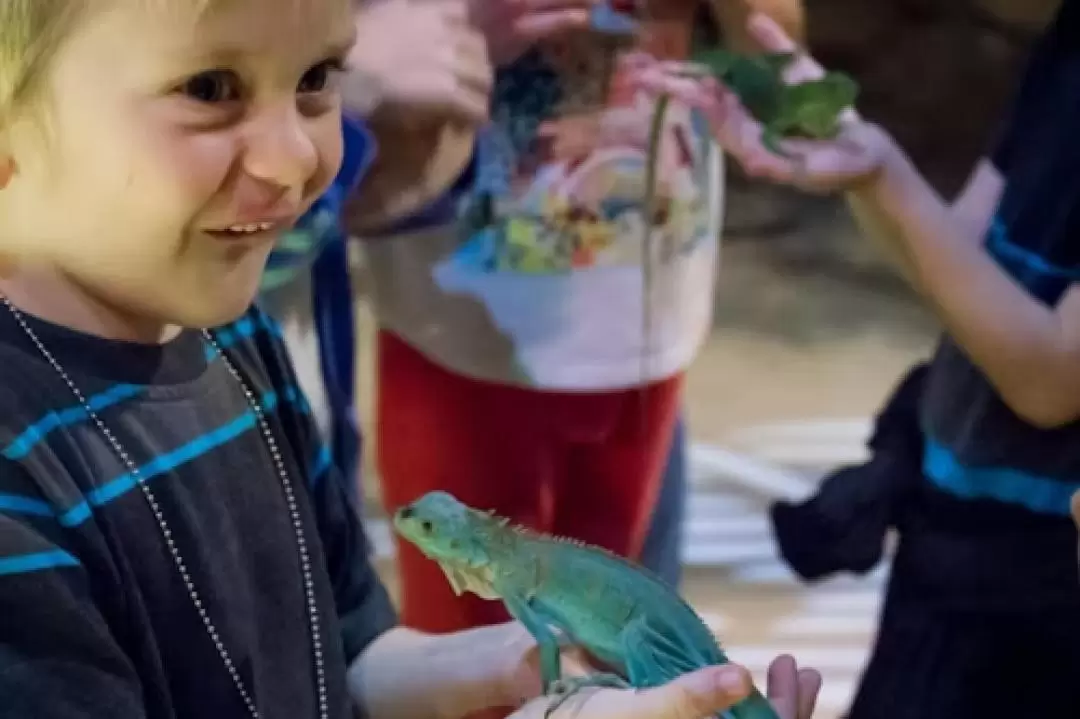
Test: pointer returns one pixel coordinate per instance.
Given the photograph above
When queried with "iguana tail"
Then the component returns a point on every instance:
(648, 255)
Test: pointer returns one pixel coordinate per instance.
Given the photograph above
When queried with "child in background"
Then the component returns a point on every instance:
(513, 370)
(986, 567)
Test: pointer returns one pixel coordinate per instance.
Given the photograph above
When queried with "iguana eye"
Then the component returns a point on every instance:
(427, 526)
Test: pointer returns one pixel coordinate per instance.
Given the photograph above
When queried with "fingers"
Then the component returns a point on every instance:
(459, 82)
(809, 688)
(454, 12)
(471, 63)
(536, 26)
(512, 26)
(772, 38)
(528, 6)
(782, 687)
(768, 33)
(701, 693)
(792, 691)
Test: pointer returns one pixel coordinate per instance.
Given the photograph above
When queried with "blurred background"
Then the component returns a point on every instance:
(812, 330)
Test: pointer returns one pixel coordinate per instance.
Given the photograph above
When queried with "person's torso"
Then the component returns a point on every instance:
(538, 275)
(215, 483)
(995, 484)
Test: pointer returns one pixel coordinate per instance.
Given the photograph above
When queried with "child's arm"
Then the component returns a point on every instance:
(1029, 351)
(973, 211)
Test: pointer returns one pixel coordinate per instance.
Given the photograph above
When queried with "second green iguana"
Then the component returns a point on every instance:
(620, 613)
(809, 109)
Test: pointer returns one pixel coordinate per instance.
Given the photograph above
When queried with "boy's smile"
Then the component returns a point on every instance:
(170, 149)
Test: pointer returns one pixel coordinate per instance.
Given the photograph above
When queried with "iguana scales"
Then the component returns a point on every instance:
(624, 616)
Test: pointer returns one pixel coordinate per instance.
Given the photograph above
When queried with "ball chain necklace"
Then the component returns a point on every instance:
(166, 532)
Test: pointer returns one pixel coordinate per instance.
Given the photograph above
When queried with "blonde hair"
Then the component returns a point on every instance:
(31, 32)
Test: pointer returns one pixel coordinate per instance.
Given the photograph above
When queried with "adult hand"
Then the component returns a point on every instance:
(512, 26)
(855, 155)
(700, 694)
(421, 58)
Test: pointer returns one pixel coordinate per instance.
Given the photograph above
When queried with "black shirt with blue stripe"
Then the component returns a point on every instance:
(990, 476)
(95, 621)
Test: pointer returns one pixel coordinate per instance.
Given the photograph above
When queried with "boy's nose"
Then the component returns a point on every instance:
(280, 151)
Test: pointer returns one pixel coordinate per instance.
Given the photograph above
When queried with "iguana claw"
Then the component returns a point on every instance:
(562, 689)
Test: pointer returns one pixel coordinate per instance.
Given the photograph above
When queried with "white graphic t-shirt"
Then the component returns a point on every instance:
(533, 271)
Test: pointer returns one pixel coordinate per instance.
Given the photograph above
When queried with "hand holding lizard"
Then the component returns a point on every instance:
(853, 155)
(697, 695)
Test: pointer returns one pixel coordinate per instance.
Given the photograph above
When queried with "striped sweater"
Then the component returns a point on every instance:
(96, 620)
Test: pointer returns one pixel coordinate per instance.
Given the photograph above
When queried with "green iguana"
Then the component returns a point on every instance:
(810, 109)
(624, 616)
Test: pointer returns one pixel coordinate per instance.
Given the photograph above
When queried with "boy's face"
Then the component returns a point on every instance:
(165, 137)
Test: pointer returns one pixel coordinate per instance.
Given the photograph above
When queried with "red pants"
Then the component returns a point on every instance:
(583, 465)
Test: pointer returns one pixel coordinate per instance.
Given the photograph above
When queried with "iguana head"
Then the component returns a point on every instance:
(455, 535)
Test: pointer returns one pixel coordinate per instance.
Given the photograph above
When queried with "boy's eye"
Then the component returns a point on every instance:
(213, 86)
(320, 77)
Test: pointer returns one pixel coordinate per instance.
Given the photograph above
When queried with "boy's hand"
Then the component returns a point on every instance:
(697, 695)
(421, 59)
(854, 156)
(512, 26)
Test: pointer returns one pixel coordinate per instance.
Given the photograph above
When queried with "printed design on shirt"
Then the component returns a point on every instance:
(560, 177)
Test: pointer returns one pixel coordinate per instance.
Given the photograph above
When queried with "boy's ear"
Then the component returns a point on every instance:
(8, 165)
(7, 169)
(7, 172)
(7, 160)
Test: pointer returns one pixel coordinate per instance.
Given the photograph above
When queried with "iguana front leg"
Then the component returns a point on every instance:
(569, 686)
(546, 641)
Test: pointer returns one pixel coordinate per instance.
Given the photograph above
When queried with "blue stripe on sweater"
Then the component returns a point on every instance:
(14, 504)
(35, 562)
(21, 446)
(171, 460)
(53, 420)
(1044, 495)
